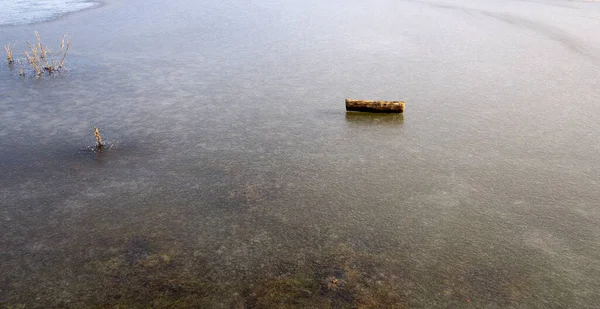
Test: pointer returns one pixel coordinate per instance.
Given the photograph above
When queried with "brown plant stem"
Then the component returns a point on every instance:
(98, 138)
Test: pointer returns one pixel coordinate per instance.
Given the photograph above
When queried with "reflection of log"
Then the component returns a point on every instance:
(375, 106)
(391, 119)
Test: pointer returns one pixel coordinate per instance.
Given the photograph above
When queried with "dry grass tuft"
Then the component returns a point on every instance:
(41, 59)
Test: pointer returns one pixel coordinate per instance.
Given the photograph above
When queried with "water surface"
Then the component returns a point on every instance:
(236, 179)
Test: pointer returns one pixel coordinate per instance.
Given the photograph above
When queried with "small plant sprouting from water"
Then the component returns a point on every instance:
(98, 138)
(41, 59)
(9, 55)
(21, 70)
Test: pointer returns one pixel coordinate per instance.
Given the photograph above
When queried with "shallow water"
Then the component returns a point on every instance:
(236, 179)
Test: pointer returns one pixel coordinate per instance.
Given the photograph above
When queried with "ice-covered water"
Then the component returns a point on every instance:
(19, 12)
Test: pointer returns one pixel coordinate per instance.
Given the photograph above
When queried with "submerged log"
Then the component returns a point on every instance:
(375, 106)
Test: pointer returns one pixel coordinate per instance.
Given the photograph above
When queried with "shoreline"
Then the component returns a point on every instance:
(56, 15)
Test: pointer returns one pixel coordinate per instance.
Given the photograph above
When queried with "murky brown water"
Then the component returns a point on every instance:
(235, 179)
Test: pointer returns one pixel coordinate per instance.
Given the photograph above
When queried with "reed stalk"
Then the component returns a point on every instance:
(33, 59)
(9, 55)
(98, 138)
(21, 70)
(66, 49)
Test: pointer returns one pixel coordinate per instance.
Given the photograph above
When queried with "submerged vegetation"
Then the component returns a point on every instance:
(138, 272)
(40, 57)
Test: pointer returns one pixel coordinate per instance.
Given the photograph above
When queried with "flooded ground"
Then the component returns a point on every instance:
(235, 178)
